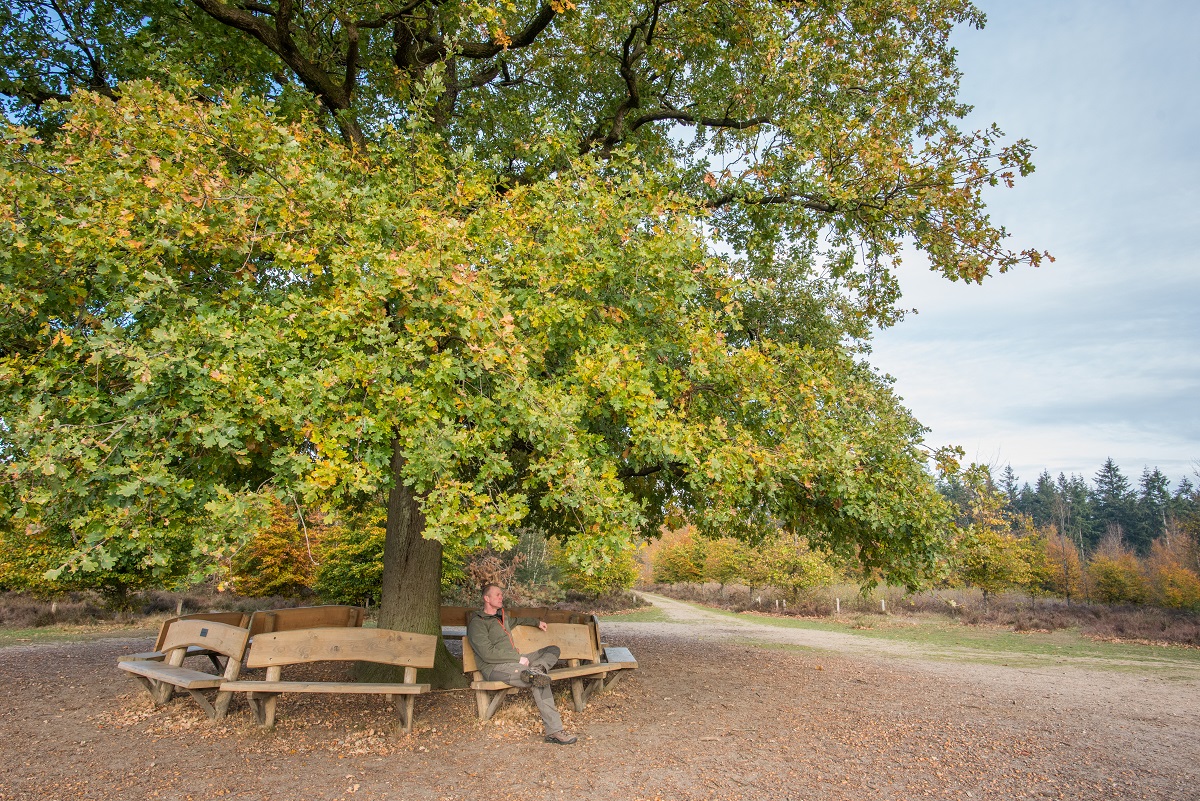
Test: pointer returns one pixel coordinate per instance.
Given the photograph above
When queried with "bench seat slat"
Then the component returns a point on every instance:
(323, 687)
(581, 670)
(619, 656)
(184, 678)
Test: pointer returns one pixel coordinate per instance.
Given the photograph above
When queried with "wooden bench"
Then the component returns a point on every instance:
(162, 677)
(306, 617)
(589, 668)
(277, 650)
(238, 619)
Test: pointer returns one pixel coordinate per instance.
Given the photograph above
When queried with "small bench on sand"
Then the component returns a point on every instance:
(163, 677)
(277, 650)
(589, 669)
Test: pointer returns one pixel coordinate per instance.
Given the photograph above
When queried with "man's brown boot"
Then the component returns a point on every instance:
(535, 677)
(560, 737)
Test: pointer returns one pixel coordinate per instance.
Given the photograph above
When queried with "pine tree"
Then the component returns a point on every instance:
(1152, 501)
(1076, 508)
(1010, 486)
(1044, 509)
(1113, 502)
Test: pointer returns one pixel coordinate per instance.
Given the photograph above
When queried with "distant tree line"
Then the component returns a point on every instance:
(1108, 508)
(1104, 542)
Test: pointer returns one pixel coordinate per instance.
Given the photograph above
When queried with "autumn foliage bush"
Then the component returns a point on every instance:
(279, 560)
(591, 577)
(678, 557)
(351, 569)
(1117, 579)
(1171, 583)
(784, 562)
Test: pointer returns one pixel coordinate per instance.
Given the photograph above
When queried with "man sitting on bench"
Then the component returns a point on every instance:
(488, 633)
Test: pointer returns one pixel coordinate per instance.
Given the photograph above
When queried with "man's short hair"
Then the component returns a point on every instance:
(487, 587)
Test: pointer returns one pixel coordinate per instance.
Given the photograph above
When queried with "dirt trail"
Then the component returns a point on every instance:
(720, 707)
(1148, 710)
(1158, 691)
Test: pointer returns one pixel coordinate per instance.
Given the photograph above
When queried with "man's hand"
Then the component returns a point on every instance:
(524, 662)
(542, 625)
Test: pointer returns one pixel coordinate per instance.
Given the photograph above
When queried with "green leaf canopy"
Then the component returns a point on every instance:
(569, 264)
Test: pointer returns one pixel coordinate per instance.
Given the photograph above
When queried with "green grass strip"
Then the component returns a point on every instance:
(949, 639)
(651, 614)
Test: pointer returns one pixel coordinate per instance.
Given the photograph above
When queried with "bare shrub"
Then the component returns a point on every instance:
(488, 567)
(19, 610)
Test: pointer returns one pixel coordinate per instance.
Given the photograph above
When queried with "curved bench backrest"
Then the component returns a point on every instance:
(574, 640)
(340, 645)
(305, 617)
(219, 638)
(228, 618)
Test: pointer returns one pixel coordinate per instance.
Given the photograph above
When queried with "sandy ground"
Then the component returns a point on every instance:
(719, 708)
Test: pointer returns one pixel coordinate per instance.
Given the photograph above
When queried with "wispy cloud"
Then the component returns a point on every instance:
(1097, 354)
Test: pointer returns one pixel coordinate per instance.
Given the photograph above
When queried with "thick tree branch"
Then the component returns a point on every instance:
(799, 198)
(35, 96)
(278, 39)
(97, 79)
(351, 74)
(692, 119)
(391, 16)
(678, 468)
(407, 57)
(632, 50)
(483, 77)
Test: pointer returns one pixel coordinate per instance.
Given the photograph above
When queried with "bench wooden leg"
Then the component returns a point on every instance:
(488, 706)
(578, 699)
(481, 704)
(256, 708)
(269, 711)
(145, 682)
(160, 691)
(404, 705)
(263, 705)
(222, 704)
(610, 680)
(593, 686)
(204, 703)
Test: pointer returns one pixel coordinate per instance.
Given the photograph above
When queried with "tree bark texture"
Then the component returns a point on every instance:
(412, 571)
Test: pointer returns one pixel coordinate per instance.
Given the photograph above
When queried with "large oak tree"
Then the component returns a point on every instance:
(569, 264)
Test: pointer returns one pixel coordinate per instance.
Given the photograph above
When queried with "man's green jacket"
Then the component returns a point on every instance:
(490, 640)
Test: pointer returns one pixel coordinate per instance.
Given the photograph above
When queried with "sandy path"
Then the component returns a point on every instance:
(719, 708)
(1166, 688)
(1151, 710)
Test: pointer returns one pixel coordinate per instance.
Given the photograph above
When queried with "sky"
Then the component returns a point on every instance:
(1098, 354)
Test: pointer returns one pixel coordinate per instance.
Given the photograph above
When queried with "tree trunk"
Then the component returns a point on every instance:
(412, 571)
